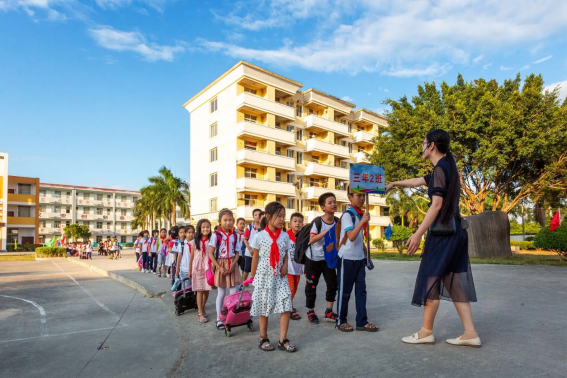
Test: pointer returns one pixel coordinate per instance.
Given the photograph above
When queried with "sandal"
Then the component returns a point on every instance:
(368, 328)
(204, 319)
(265, 345)
(289, 348)
(312, 317)
(294, 316)
(345, 327)
(220, 325)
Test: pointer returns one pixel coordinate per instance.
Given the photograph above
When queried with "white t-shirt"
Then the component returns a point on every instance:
(239, 242)
(222, 251)
(249, 234)
(351, 250)
(183, 247)
(293, 267)
(153, 244)
(316, 252)
(137, 244)
(263, 235)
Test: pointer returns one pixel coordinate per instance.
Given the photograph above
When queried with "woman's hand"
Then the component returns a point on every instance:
(390, 187)
(413, 243)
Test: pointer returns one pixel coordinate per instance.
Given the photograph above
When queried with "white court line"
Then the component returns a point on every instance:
(41, 313)
(59, 334)
(90, 295)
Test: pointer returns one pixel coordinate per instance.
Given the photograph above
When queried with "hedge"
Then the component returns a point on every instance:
(21, 247)
(555, 241)
(128, 245)
(529, 245)
(50, 252)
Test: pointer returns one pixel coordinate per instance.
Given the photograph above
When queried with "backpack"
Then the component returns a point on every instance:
(333, 244)
(243, 246)
(302, 239)
(219, 237)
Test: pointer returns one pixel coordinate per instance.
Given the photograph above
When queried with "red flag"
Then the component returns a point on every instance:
(555, 221)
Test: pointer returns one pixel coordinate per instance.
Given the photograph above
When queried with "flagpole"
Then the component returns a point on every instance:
(368, 262)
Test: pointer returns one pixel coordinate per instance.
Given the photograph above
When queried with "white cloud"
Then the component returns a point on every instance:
(526, 67)
(543, 59)
(158, 5)
(347, 98)
(52, 10)
(486, 66)
(117, 40)
(502, 68)
(416, 37)
(386, 90)
(370, 94)
(562, 90)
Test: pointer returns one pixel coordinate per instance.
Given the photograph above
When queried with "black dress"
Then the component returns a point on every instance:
(445, 270)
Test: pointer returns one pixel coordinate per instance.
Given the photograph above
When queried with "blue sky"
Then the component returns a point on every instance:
(91, 91)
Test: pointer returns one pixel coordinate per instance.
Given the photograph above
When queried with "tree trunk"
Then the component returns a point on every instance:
(489, 234)
(539, 213)
(174, 212)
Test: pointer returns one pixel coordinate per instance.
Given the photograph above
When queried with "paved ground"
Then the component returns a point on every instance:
(520, 317)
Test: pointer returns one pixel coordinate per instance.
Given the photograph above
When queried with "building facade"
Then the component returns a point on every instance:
(3, 199)
(256, 138)
(22, 210)
(107, 212)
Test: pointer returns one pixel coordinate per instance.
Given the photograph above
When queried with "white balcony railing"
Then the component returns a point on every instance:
(312, 214)
(377, 200)
(313, 192)
(316, 122)
(376, 220)
(54, 215)
(265, 159)
(265, 132)
(315, 145)
(326, 171)
(51, 199)
(265, 186)
(360, 158)
(264, 105)
(246, 212)
(50, 230)
(363, 137)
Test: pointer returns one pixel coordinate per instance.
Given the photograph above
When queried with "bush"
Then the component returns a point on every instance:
(21, 247)
(531, 228)
(128, 245)
(400, 235)
(555, 241)
(422, 244)
(379, 244)
(530, 238)
(528, 245)
(50, 252)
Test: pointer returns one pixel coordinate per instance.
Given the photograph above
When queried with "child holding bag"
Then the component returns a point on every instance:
(198, 265)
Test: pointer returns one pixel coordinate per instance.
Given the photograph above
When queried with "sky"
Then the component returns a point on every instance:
(91, 92)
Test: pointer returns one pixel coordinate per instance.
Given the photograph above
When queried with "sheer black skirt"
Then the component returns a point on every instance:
(445, 270)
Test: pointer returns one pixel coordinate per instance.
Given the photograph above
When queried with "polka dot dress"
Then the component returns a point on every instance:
(271, 292)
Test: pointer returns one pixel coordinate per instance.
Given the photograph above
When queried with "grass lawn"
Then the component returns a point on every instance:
(17, 258)
(512, 260)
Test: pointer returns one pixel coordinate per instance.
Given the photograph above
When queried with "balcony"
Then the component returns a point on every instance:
(265, 159)
(314, 145)
(255, 130)
(126, 231)
(376, 200)
(360, 158)
(265, 186)
(124, 204)
(249, 101)
(102, 231)
(326, 171)
(50, 230)
(50, 199)
(363, 137)
(28, 199)
(246, 212)
(313, 192)
(312, 214)
(125, 217)
(53, 215)
(323, 124)
(21, 221)
(376, 220)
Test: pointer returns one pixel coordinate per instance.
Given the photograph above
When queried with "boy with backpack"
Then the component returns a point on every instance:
(315, 263)
(251, 231)
(294, 270)
(351, 267)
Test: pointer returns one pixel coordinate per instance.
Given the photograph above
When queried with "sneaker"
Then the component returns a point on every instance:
(168, 275)
(154, 273)
(312, 317)
(330, 316)
(143, 271)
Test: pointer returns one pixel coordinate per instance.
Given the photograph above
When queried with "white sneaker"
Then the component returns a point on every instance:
(154, 273)
(143, 271)
(474, 343)
(414, 339)
(168, 276)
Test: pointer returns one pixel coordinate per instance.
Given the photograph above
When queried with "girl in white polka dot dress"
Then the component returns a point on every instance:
(269, 270)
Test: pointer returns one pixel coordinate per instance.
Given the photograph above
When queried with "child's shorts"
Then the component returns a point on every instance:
(161, 259)
(247, 264)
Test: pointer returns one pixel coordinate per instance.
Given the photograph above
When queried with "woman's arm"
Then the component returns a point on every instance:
(415, 239)
(409, 183)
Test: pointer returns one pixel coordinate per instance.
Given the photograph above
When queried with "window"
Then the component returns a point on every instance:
(312, 135)
(86, 210)
(11, 191)
(99, 197)
(214, 106)
(279, 199)
(310, 111)
(56, 209)
(299, 135)
(99, 225)
(213, 181)
(99, 211)
(290, 178)
(350, 127)
(87, 223)
(134, 199)
(124, 198)
(42, 239)
(123, 239)
(57, 194)
(108, 225)
(386, 211)
(278, 125)
(67, 223)
(344, 208)
(99, 239)
(277, 99)
(278, 150)
(24, 188)
(251, 200)
(343, 121)
(108, 197)
(298, 110)
(248, 90)
(299, 158)
(360, 128)
(290, 153)
(250, 172)
(360, 149)
(57, 224)
(108, 211)
(290, 203)
(213, 154)
(42, 208)
(350, 148)
(250, 118)
(343, 164)
(278, 177)
(250, 145)
(289, 128)
(314, 182)
(213, 130)
(123, 225)
(42, 224)
(42, 192)
(86, 196)
(213, 205)
(10, 213)
(123, 212)
(289, 103)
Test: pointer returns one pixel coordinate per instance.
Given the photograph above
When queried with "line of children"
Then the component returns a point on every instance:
(198, 265)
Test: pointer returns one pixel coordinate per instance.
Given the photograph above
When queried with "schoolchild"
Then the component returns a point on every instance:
(269, 269)
(145, 250)
(198, 265)
(174, 234)
(138, 247)
(252, 229)
(162, 252)
(89, 249)
(183, 253)
(294, 270)
(224, 258)
(154, 251)
(240, 226)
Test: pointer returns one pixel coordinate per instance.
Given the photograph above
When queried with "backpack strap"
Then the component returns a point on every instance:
(338, 234)
(318, 223)
(219, 242)
(233, 243)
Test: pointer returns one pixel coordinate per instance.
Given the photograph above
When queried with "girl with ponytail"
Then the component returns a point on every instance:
(444, 272)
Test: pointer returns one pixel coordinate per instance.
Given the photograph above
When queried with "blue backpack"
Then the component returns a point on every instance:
(333, 244)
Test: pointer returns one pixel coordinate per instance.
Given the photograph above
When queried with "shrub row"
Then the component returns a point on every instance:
(21, 247)
(529, 245)
(50, 252)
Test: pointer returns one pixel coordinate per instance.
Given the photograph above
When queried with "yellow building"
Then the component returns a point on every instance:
(256, 137)
(22, 210)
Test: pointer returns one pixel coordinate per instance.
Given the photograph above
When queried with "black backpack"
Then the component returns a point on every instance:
(302, 239)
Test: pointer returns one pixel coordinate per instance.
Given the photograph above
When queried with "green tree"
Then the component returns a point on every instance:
(510, 140)
(400, 235)
(77, 231)
(555, 241)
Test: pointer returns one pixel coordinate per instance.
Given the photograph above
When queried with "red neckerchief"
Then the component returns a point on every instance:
(227, 248)
(291, 235)
(203, 240)
(274, 250)
(365, 226)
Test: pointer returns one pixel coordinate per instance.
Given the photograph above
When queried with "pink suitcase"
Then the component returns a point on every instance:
(236, 311)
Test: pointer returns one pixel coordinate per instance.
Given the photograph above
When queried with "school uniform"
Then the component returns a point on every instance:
(249, 234)
(351, 271)
(153, 253)
(145, 253)
(294, 270)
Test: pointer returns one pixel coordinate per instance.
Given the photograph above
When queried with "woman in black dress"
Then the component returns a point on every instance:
(445, 271)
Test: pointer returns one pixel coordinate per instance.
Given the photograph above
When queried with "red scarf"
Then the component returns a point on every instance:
(274, 251)
(203, 247)
(291, 235)
(365, 226)
(227, 249)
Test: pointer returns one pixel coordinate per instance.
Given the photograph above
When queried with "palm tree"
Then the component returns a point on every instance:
(166, 193)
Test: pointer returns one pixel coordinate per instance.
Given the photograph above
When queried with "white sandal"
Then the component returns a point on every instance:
(414, 339)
